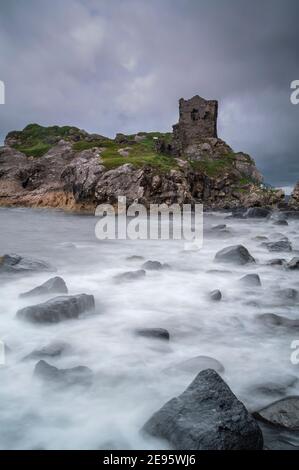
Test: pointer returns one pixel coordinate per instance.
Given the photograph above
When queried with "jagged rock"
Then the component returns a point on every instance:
(293, 264)
(281, 245)
(271, 319)
(51, 350)
(282, 413)
(251, 280)
(207, 416)
(130, 275)
(79, 375)
(156, 333)
(15, 264)
(234, 254)
(58, 309)
(257, 212)
(55, 285)
(215, 295)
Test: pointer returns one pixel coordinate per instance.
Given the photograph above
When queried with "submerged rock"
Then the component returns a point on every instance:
(79, 375)
(251, 280)
(206, 416)
(219, 228)
(276, 262)
(271, 319)
(287, 294)
(215, 295)
(281, 245)
(54, 349)
(293, 264)
(234, 254)
(156, 333)
(15, 264)
(130, 275)
(282, 413)
(257, 212)
(55, 285)
(154, 265)
(58, 309)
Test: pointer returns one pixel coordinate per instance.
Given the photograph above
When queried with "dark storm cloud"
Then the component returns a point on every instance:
(121, 65)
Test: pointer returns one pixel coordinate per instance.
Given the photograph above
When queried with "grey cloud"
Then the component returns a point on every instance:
(123, 65)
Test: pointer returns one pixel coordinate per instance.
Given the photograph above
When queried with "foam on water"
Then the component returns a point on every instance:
(131, 373)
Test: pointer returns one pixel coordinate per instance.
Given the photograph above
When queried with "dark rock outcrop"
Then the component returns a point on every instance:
(293, 264)
(207, 416)
(257, 212)
(55, 285)
(58, 309)
(234, 254)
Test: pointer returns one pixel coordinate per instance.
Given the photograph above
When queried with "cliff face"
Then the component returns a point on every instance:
(294, 199)
(67, 168)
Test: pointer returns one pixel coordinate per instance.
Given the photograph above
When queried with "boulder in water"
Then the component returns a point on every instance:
(234, 254)
(60, 308)
(55, 285)
(206, 416)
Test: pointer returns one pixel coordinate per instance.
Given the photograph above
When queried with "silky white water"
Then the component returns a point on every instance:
(131, 379)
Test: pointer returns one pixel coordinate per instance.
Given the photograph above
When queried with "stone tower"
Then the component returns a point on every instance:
(197, 121)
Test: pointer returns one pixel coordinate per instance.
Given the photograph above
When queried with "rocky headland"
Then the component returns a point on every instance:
(67, 168)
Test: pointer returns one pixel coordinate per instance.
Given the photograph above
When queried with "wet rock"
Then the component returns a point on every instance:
(287, 294)
(215, 295)
(281, 245)
(219, 227)
(293, 264)
(276, 262)
(130, 275)
(135, 258)
(280, 222)
(55, 285)
(271, 319)
(58, 309)
(79, 375)
(152, 265)
(260, 238)
(257, 212)
(156, 333)
(14, 264)
(251, 280)
(54, 349)
(282, 413)
(234, 254)
(206, 416)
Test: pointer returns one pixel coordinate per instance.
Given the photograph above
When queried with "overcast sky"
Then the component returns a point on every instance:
(121, 65)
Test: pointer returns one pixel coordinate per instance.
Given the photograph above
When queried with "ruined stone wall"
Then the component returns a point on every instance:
(197, 120)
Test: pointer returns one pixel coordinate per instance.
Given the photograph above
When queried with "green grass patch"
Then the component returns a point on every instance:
(36, 150)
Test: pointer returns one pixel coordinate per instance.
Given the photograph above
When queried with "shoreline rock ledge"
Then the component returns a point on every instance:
(206, 416)
(67, 168)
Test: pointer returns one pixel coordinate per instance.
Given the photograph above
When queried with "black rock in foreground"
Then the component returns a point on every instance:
(60, 308)
(206, 416)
